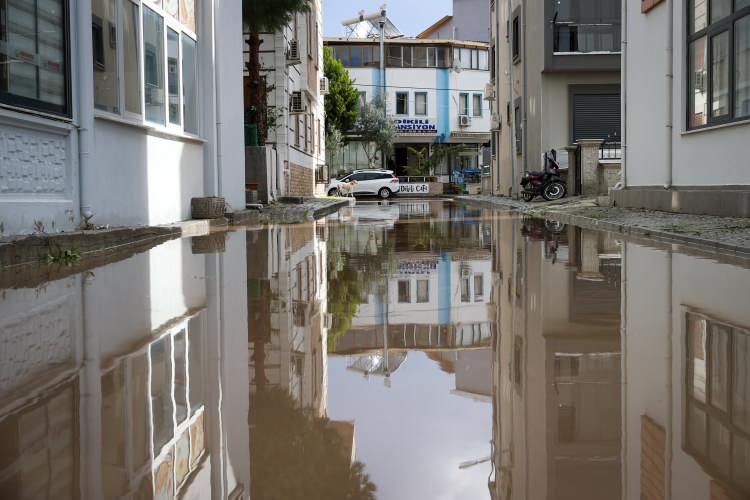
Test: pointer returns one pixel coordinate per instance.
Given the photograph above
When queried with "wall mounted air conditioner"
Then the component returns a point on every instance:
(292, 54)
(497, 121)
(464, 121)
(489, 92)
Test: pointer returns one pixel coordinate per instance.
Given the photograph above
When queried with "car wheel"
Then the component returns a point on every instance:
(333, 192)
(554, 191)
(384, 193)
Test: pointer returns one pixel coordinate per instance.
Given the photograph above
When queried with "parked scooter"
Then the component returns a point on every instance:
(547, 184)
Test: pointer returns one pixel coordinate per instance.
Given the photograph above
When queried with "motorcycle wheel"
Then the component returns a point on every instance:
(554, 191)
(528, 197)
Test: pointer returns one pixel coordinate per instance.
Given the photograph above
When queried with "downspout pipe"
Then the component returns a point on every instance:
(669, 81)
(624, 93)
(85, 98)
(218, 190)
(522, 39)
(511, 109)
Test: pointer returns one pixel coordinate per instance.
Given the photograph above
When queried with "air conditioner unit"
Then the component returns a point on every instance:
(464, 121)
(489, 92)
(324, 86)
(497, 121)
(296, 103)
(292, 54)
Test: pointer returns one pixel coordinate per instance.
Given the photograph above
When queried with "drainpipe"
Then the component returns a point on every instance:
(524, 134)
(670, 92)
(624, 93)
(207, 84)
(511, 109)
(218, 190)
(85, 104)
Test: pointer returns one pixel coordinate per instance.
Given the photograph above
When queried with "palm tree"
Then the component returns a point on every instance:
(261, 16)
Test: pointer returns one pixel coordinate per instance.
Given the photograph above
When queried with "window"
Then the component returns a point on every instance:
(420, 103)
(478, 287)
(586, 26)
(34, 55)
(189, 84)
(131, 51)
(402, 103)
(718, 44)
(465, 290)
(153, 65)
(471, 58)
(516, 40)
(423, 291)
(104, 37)
(477, 105)
(404, 292)
(158, 54)
(173, 75)
(463, 104)
(395, 56)
(419, 57)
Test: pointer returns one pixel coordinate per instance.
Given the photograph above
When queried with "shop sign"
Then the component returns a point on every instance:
(422, 188)
(417, 267)
(410, 126)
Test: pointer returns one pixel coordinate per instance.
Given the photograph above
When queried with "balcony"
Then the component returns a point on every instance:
(572, 37)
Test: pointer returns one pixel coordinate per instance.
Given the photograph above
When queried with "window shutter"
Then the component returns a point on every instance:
(596, 116)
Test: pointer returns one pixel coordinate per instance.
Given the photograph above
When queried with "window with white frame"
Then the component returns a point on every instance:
(463, 104)
(153, 46)
(34, 61)
(420, 103)
(477, 105)
(466, 58)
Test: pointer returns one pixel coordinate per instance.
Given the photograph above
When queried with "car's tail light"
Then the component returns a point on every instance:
(394, 181)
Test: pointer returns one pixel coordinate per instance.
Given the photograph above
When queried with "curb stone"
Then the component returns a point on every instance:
(557, 212)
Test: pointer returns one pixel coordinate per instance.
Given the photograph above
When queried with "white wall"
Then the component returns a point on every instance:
(701, 158)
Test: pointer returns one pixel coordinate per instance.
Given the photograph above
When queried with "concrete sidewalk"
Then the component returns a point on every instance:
(727, 235)
(289, 211)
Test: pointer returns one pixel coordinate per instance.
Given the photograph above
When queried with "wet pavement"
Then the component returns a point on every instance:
(406, 350)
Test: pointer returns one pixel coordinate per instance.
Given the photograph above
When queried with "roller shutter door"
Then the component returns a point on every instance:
(596, 116)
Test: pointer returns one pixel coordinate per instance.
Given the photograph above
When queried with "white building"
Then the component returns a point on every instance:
(128, 124)
(687, 111)
(292, 63)
(129, 382)
(435, 93)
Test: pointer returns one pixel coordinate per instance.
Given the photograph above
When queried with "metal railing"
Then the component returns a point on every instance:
(611, 148)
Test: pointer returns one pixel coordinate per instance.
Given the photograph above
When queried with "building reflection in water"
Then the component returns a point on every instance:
(111, 379)
(613, 369)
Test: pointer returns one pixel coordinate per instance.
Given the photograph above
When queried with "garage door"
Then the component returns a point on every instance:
(596, 116)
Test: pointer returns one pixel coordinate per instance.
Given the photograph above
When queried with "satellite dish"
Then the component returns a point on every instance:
(457, 67)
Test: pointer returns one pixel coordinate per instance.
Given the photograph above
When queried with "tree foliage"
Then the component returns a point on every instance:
(271, 15)
(263, 16)
(341, 102)
(295, 456)
(375, 131)
(428, 162)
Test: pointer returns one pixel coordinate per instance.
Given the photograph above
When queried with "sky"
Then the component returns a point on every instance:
(410, 16)
(413, 436)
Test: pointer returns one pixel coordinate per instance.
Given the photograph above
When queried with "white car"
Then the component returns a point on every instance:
(381, 183)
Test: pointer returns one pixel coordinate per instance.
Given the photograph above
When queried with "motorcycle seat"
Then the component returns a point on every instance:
(536, 174)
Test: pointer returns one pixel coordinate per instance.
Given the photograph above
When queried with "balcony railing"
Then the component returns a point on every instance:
(576, 37)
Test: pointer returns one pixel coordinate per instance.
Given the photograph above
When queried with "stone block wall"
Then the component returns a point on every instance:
(301, 181)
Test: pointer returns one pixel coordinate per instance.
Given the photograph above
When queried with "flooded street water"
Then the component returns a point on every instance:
(411, 350)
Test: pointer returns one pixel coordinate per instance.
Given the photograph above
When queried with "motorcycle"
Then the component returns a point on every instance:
(547, 184)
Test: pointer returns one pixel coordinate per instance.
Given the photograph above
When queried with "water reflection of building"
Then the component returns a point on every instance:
(110, 380)
(687, 363)
(287, 330)
(557, 363)
(428, 285)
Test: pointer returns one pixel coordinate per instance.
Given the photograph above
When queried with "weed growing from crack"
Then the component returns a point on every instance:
(65, 257)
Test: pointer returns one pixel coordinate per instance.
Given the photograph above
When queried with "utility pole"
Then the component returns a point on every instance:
(381, 18)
